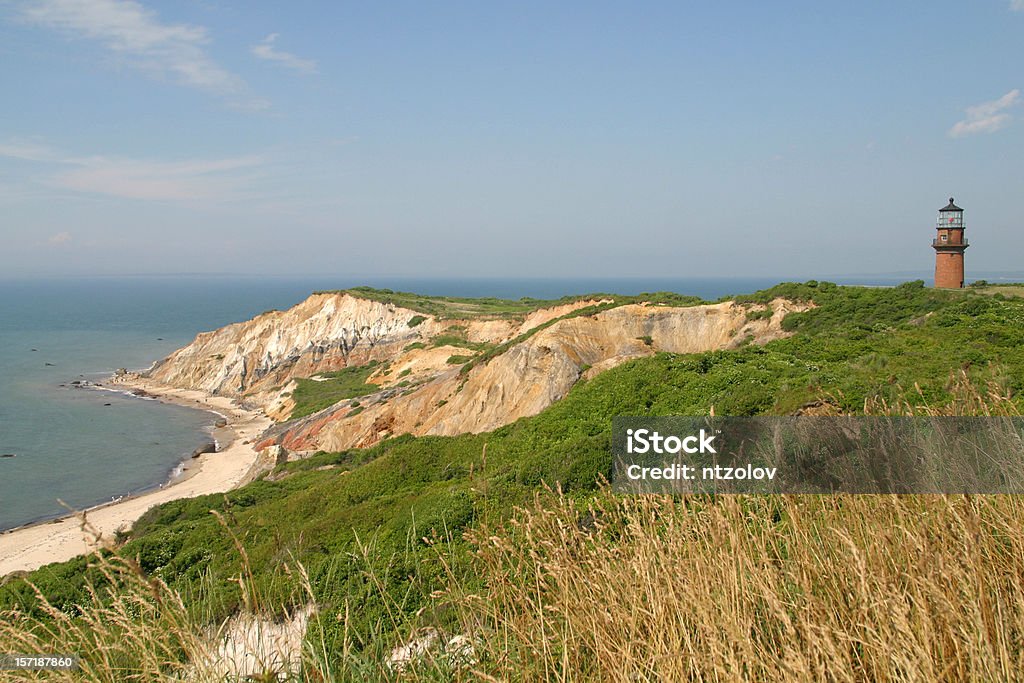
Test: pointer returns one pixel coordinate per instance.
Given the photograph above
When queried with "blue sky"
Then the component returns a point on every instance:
(790, 139)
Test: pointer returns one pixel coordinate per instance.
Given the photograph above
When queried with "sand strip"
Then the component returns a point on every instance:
(31, 547)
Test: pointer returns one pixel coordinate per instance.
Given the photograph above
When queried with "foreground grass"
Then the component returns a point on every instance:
(132, 628)
(782, 588)
(808, 588)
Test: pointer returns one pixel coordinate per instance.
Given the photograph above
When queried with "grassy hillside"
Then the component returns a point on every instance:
(1009, 289)
(380, 530)
(328, 388)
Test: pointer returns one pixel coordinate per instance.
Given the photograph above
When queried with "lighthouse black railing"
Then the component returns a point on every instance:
(947, 243)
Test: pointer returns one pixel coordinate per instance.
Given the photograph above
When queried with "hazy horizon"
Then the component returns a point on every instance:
(581, 140)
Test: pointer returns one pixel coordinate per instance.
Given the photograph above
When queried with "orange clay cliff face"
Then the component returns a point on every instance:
(421, 390)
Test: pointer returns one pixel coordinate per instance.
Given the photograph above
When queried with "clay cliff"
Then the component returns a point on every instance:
(326, 332)
(519, 364)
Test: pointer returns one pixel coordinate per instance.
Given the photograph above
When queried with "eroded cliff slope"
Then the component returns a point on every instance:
(433, 374)
(531, 375)
(326, 332)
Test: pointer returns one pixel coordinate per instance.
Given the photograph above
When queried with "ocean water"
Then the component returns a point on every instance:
(85, 447)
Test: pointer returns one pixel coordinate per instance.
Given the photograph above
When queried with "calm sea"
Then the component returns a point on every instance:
(85, 447)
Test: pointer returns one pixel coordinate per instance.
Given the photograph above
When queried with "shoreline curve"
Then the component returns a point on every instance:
(29, 547)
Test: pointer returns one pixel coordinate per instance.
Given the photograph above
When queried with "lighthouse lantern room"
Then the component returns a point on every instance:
(949, 245)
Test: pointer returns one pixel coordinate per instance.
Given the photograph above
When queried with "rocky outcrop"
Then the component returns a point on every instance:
(325, 332)
(204, 448)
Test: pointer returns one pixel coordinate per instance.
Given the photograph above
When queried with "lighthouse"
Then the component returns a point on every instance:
(949, 245)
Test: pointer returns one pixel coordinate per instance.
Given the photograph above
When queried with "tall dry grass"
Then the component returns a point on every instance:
(968, 398)
(832, 588)
(756, 588)
(134, 627)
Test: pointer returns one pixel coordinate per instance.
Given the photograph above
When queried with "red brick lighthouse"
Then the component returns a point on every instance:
(949, 245)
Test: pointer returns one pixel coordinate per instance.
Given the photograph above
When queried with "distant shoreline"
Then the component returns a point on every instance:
(33, 545)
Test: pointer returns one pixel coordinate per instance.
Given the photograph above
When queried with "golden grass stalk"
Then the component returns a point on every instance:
(756, 588)
(838, 588)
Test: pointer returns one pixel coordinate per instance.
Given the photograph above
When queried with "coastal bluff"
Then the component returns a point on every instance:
(440, 366)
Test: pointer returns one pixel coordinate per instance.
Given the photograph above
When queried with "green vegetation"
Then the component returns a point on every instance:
(457, 359)
(416, 320)
(1005, 290)
(758, 314)
(313, 395)
(381, 530)
(452, 340)
(455, 335)
(451, 306)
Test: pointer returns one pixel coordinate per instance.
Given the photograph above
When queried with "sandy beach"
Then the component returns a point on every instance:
(33, 546)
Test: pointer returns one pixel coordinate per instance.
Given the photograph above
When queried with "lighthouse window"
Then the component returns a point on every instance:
(944, 237)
